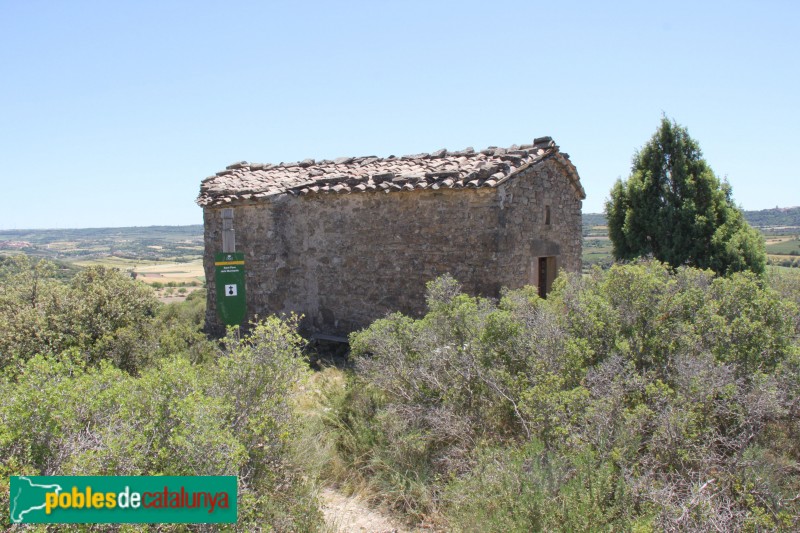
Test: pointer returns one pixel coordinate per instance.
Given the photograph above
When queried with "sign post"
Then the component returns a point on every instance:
(229, 267)
(231, 302)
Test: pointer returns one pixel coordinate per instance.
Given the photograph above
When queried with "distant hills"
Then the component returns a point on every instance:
(594, 219)
(154, 233)
(159, 235)
(778, 216)
(152, 243)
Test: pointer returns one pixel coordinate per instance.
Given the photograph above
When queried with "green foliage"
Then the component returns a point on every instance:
(640, 398)
(101, 379)
(674, 209)
(625, 401)
(535, 490)
(229, 417)
(777, 216)
(180, 326)
(99, 314)
(647, 313)
(111, 314)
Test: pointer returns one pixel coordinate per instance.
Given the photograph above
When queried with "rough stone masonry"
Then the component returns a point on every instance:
(347, 241)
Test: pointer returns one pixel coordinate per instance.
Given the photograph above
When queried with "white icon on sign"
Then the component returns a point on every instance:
(230, 290)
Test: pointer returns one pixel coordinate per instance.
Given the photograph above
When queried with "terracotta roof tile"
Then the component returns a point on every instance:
(247, 182)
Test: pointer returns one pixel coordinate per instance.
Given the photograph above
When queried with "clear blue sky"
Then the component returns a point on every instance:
(112, 112)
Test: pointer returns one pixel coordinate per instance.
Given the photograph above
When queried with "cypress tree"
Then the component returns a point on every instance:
(673, 208)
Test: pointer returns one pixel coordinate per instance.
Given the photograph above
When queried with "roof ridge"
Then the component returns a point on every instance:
(244, 181)
(539, 142)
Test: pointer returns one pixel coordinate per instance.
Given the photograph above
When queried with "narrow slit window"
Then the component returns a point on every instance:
(547, 215)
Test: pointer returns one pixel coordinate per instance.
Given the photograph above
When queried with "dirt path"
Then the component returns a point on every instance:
(349, 514)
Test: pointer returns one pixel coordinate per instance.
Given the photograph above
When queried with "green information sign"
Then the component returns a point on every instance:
(122, 499)
(231, 302)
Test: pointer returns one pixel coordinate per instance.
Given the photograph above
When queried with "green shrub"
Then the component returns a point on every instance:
(232, 415)
(100, 312)
(527, 488)
(626, 400)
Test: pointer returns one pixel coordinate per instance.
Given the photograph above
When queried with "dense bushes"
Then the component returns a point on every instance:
(99, 314)
(126, 386)
(636, 398)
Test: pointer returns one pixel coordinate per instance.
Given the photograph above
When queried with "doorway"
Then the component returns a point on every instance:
(546, 273)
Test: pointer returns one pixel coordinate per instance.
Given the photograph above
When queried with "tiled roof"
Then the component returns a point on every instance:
(247, 182)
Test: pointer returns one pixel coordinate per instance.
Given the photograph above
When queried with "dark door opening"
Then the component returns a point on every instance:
(543, 277)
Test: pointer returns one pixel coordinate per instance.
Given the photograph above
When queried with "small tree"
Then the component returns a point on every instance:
(673, 208)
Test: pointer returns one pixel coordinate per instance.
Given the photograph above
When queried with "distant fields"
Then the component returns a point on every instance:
(780, 228)
(171, 256)
(788, 245)
(153, 243)
(139, 243)
(150, 272)
(184, 273)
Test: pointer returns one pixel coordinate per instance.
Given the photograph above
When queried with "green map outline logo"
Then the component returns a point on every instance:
(15, 499)
(123, 499)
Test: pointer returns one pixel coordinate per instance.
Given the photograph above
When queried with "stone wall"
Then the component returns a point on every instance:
(526, 236)
(344, 260)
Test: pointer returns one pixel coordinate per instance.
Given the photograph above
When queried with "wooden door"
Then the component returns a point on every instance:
(543, 277)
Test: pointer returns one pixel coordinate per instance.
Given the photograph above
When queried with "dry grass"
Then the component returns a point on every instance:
(313, 402)
(152, 271)
(171, 272)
